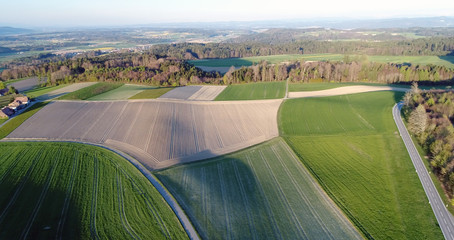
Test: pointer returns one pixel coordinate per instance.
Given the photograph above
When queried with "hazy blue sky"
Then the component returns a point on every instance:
(126, 12)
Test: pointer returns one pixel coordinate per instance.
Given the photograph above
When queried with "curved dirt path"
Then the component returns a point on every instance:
(344, 91)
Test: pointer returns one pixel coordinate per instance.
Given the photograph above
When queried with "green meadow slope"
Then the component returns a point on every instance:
(263, 192)
(351, 146)
(75, 191)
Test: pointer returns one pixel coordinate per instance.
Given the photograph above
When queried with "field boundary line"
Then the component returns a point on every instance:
(41, 197)
(68, 194)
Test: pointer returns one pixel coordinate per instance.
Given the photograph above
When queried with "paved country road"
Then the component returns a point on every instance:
(444, 217)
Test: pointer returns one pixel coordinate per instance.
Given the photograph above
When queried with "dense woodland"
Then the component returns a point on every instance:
(127, 68)
(423, 46)
(430, 117)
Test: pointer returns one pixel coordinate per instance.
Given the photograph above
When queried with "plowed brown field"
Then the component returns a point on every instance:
(157, 133)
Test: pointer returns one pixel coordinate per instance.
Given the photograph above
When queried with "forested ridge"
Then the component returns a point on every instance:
(419, 47)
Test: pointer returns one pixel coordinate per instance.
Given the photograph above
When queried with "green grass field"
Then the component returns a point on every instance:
(252, 91)
(34, 93)
(447, 61)
(4, 100)
(91, 91)
(262, 192)
(121, 93)
(152, 93)
(351, 146)
(19, 119)
(75, 191)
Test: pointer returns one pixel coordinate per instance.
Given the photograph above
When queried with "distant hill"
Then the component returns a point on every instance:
(423, 22)
(13, 31)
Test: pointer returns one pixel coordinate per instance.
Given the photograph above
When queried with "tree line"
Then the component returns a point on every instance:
(151, 69)
(430, 116)
(352, 71)
(122, 67)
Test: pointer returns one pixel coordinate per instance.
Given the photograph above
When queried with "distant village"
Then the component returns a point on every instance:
(18, 103)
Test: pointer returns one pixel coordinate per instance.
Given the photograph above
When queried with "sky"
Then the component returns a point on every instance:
(74, 13)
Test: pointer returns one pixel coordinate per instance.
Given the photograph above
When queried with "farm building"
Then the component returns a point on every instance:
(14, 105)
(6, 112)
(4, 91)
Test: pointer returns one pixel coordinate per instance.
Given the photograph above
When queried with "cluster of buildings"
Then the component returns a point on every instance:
(17, 104)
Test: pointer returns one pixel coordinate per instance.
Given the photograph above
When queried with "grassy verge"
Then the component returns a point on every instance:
(34, 93)
(18, 120)
(151, 93)
(91, 91)
(76, 191)
(350, 144)
(253, 91)
(262, 192)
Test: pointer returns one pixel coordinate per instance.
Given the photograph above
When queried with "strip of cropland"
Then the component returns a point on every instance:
(446, 61)
(159, 133)
(350, 144)
(194, 93)
(62, 91)
(76, 191)
(124, 92)
(252, 91)
(263, 192)
(91, 91)
(152, 93)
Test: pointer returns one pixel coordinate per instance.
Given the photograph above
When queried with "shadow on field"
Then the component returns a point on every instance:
(448, 57)
(217, 194)
(21, 218)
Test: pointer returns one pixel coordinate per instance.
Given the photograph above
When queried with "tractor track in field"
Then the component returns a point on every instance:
(121, 208)
(12, 166)
(41, 197)
(69, 190)
(21, 186)
(147, 201)
(276, 229)
(302, 195)
(245, 201)
(300, 228)
(225, 201)
(94, 199)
